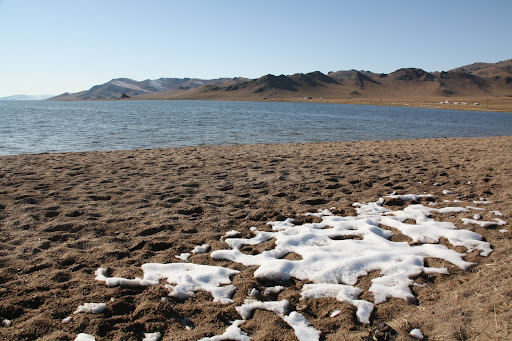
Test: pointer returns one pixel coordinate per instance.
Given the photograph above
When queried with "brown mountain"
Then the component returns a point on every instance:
(475, 80)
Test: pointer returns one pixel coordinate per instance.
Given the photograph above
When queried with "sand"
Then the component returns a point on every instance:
(62, 216)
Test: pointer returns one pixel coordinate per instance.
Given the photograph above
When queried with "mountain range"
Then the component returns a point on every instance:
(25, 97)
(478, 79)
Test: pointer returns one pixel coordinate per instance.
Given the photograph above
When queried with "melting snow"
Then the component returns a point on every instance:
(416, 333)
(201, 249)
(273, 290)
(484, 224)
(334, 262)
(188, 278)
(303, 330)
(334, 253)
(152, 336)
(184, 256)
(232, 333)
(343, 293)
(95, 308)
(335, 313)
(85, 337)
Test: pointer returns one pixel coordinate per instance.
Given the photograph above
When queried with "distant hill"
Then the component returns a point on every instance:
(25, 97)
(115, 88)
(478, 79)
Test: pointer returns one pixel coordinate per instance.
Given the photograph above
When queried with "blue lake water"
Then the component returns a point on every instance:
(47, 126)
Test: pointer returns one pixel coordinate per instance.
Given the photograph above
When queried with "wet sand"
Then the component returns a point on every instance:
(62, 216)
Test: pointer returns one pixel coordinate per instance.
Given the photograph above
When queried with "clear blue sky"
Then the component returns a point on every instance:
(53, 46)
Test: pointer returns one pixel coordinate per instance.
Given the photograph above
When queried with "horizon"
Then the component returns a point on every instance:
(57, 47)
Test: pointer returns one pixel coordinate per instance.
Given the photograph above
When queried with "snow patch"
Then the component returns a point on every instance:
(188, 278)
(302, 328)
(94, 308)
(184, 256)
(343, 293)
(233, 332)
(85, 337)
(416, 333)
(152, 336)
(201, 249)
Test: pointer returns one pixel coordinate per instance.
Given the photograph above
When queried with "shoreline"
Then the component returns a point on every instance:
(277, 144)
(501, 104)
(65, 215)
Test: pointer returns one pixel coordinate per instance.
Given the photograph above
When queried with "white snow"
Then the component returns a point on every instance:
(477, 216)
(279, 307)
(6, 323)
(273, 290)
(233, 332)
(498, 213)
(447, 192)
(500, 221)
(230, 234)
(335, 313)
(333, 262)
(94, 308)
(152, 336)
(127, 85)
(452, 210)
(85, 337)
(303, 330)
(475, 208)
(343, 293)
(334, 254)
(416, 333)
(67, 319)
(482, 201)
(188, 278)
(484, 224)
(157, 84)
(201, 249)
(184, 256)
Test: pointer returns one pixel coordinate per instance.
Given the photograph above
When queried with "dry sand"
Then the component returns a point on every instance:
(64, 215)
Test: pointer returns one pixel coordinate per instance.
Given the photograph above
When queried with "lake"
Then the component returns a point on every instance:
(49, 126)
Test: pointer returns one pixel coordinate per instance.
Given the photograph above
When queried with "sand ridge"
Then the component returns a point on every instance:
(62, 216)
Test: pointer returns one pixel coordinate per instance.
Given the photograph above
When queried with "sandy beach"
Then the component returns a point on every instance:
(64, 216)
